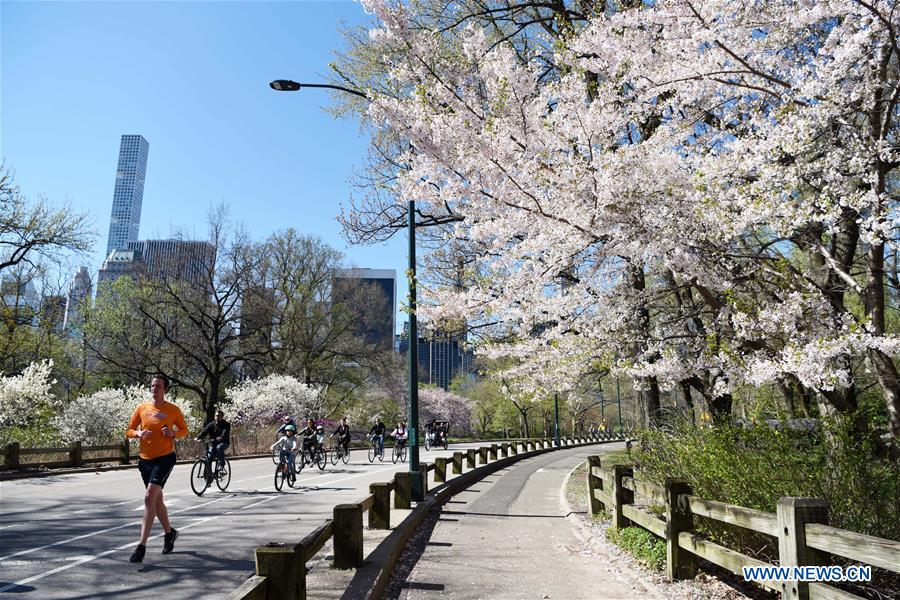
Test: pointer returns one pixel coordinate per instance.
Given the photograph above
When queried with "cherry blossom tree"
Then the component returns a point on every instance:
(703, 195)
(260, 402)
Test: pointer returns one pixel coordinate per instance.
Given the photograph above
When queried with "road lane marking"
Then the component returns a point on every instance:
(89, 558)
(107, 530)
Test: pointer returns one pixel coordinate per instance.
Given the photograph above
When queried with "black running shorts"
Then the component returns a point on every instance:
(156, 470)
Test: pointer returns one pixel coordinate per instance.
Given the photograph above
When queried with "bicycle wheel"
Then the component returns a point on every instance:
(292, 480)
(372, 453)
(279, 476)
(381, 453)
(395, 454)
(335, 455)
(199, 480)
(275, 458)
(321, 458)
(223, 479)
(427, 442)
(403, 452)
(299, 462)
(345, 455)
(445, 443)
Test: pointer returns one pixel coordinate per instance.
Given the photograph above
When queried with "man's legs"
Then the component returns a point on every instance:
(153, 500)
(220, 453)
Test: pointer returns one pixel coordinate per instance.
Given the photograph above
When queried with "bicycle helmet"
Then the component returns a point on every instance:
(290, 428)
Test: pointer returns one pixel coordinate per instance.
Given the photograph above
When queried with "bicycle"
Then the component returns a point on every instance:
(339, 452)
(283, 472)
(376, 449)
(399, 452)
(313, 455)
(203, 473)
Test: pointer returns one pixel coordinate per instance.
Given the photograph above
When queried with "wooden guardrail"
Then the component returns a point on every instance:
(800, 526)
(281, 568)
(14, 455)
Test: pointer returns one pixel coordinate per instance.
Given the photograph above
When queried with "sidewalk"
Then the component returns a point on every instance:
(509, 537)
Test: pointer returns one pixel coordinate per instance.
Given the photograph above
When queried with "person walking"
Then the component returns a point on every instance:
(157, 424)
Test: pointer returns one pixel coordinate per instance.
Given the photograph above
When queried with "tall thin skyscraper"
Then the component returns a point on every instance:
(128, 196)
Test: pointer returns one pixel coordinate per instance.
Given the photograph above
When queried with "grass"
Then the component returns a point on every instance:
(642, 544)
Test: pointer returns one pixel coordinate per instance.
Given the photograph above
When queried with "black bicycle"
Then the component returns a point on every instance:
(376, 449)
(313, 454)
(339, 452)
(207, 469)
(283, 472)
(399, 453)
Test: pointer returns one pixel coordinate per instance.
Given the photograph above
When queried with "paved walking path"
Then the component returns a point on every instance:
(509, 537)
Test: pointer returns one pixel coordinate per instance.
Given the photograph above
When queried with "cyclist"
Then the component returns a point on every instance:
(342, 433)
(287, 445)
(219, 431)
(377, 434)
(400, 434)
(309, 436)
(285, 421)
(430, 432)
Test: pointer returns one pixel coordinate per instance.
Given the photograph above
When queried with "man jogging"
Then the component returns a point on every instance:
(157, 424)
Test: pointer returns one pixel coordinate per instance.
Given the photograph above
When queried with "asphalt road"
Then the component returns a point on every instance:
(70, 536)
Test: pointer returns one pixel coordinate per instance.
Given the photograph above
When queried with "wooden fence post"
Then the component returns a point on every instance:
(402, 490)
(504, 449)
(126, 452)
(380, 513)
(457, 463)
(493, 451)
(593, 483)
(680, 563)
(348, 536)
(284, 569)
(620, 495)
(423, 469)
(514, 448)
(793, 514)
(76, 454)
(440, 469)
(470, 458)
(483, 455)
(13, 457)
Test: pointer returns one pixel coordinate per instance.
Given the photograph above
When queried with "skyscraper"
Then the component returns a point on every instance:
(376, 289)
(128, 195)
(79, 291)
(187, 260)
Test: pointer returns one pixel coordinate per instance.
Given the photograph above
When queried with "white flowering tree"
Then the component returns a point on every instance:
(103, 416)
(261, 402)
(435, 403)
(704, 195)
(25, 399)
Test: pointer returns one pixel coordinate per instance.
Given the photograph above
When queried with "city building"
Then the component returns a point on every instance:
(19, 299)
(128, 195)
(79, 291)
(376, 289)
(53, 312)
(441, 356)
(178, 259)
(121, 263)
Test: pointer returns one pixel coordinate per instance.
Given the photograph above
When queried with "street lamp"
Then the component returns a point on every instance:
(286, 85)
(417, 487)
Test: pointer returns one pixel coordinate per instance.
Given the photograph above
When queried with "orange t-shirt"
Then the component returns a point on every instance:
(151, 418)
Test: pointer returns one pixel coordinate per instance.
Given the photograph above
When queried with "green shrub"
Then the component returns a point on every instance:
(755, 465)
(642, 544)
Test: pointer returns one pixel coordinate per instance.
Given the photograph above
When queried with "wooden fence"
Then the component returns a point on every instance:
(281, 568)
(16, 457)
(800, 526)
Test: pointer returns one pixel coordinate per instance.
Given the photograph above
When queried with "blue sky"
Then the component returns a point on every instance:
(192, 78)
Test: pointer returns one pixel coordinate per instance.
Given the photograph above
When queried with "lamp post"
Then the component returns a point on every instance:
(415, 476)
(556, 411)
